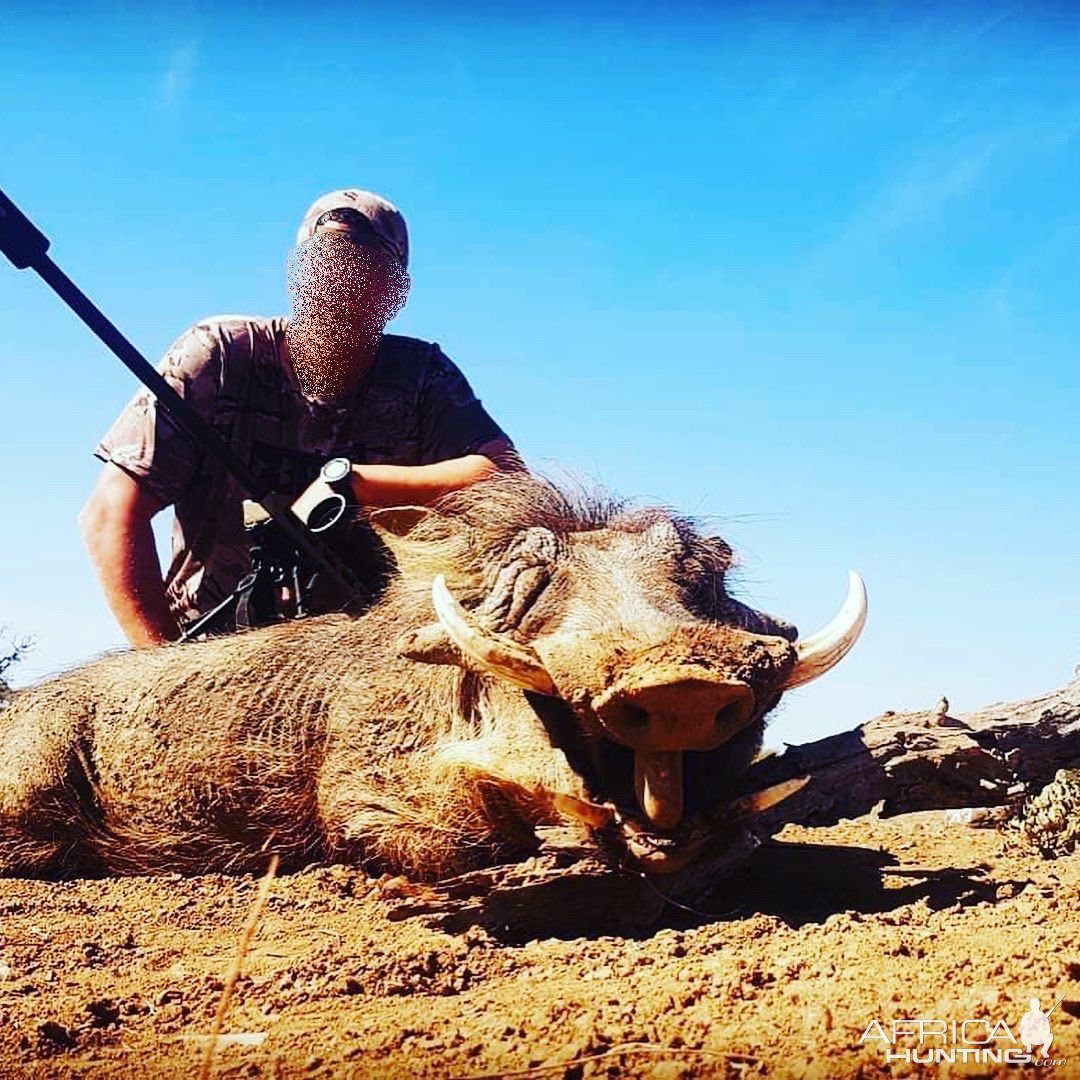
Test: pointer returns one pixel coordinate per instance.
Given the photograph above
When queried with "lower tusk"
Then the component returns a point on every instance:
(588, 813)
(763, 800)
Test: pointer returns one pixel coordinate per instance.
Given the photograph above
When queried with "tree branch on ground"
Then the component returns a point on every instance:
(925, 761)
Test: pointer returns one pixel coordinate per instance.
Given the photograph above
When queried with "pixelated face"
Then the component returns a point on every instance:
(343, 296)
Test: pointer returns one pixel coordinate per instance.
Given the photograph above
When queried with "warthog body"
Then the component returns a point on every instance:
(390, 741)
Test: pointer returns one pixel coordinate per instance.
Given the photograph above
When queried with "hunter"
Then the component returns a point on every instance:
(287, 394)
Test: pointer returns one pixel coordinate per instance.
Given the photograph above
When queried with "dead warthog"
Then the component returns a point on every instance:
(541, 657)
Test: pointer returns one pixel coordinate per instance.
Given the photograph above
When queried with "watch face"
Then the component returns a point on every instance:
(336, 469)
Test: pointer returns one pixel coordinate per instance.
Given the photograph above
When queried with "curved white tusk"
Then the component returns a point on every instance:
(492, 653)
(825, 649)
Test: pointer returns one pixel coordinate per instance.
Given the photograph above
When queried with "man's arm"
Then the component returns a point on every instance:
(149, 462)
(115, 524)
(399, 485)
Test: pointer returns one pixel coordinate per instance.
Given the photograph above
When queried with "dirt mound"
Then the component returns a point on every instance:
(779, 974)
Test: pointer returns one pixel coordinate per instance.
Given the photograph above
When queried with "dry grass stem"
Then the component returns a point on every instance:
(237, 966)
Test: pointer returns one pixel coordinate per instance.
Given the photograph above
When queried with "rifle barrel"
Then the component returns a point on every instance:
(184, 415)
(27, 247)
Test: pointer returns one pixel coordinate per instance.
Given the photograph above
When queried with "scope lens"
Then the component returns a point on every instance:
(326, 514)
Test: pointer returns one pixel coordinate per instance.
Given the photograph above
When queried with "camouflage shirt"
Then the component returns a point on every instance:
(414, 407)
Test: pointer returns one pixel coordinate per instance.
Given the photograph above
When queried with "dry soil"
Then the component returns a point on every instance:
(778, 974)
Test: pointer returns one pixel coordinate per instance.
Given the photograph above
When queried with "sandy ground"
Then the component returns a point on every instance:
(779, 974)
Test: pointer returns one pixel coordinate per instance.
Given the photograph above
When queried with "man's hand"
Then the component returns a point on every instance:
(115, 524)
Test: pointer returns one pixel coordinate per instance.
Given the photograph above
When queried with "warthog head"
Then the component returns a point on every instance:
(650, 679)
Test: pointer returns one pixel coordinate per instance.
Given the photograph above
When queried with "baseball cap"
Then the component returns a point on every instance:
(384, 228)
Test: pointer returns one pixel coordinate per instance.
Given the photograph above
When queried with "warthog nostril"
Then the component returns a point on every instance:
(733, 716)
(623, 716)
(680, 714)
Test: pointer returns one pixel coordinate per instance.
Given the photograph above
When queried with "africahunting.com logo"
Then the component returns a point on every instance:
(978, 1042)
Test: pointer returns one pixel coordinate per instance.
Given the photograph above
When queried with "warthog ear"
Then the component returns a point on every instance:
(401, 529)
(426, 542)
(396, 522)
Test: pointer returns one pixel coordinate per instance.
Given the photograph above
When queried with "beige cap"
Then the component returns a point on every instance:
(387, 226)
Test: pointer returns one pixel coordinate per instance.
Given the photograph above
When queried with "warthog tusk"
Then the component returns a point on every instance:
(759, 801)
(595, 815)
(825, 649)
(493, 653)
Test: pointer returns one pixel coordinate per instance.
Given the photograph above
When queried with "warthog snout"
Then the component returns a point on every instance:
(690, 689)
(674, 710)
(662, 717)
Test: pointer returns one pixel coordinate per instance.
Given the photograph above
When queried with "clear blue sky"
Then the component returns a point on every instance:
(807, 271)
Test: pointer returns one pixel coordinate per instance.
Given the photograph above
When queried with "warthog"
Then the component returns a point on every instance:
(540, 657)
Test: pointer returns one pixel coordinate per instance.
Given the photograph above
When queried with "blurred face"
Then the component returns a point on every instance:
(343, 295)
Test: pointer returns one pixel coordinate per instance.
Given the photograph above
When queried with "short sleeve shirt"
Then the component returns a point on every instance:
(413, 407)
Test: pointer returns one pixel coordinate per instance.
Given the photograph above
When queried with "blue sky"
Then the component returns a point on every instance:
(808, 272)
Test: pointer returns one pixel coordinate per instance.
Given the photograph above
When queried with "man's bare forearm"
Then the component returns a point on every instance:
(120, 541)
(397, 485)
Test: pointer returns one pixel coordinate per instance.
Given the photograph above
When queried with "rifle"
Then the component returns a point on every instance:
(27, 248)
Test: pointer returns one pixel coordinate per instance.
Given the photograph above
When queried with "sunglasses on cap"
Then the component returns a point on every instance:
(359, 228)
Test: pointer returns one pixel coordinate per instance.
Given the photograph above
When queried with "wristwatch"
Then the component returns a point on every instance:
(337, 475)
